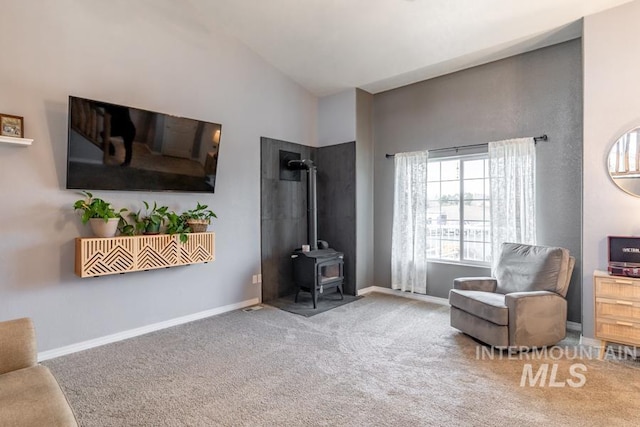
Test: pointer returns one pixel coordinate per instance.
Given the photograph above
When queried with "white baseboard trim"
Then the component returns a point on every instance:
(571, 326)
(398, 293)
(97, 342)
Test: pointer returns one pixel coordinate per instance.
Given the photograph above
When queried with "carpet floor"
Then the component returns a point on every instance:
(379, 361)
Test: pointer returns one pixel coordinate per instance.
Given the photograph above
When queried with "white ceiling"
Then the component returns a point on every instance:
(331, 45)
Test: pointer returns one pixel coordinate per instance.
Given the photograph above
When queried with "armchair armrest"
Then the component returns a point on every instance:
(486, 284)
(17, 345)
(536, 319)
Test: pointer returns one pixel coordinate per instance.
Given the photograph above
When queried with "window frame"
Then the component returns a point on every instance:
(461, 158)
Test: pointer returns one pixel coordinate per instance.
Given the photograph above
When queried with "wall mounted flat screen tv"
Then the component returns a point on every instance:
(116, 147)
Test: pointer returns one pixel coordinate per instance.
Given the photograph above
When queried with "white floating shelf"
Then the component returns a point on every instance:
(17, 141)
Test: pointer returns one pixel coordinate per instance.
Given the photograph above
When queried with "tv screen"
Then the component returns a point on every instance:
(117, 147)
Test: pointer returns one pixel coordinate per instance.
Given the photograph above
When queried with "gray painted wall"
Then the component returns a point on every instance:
(224, 82)
(337, 118)
(364, 189)
(342, 117)
(536, 93)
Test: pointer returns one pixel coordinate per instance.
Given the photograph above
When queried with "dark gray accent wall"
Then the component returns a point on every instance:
(337, 204)
(364, 189)
(283, 210)
(539, 92)
(283, 217)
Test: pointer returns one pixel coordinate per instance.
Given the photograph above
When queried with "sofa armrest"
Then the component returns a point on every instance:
(17, 345)
(536, 319)
(486, 284)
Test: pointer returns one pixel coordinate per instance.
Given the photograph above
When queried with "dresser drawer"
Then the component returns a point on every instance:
(617, 288)
(618, 309)
(618, 330)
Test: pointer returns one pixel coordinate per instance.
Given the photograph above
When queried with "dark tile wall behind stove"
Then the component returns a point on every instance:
(284, 211)
(337, 204)
(283, 220)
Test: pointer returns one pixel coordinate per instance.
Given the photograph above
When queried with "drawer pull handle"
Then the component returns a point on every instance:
(626, 282)
(623, 323)
(624, 302)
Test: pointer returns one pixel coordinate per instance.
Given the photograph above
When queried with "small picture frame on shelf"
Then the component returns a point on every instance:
(11, 126)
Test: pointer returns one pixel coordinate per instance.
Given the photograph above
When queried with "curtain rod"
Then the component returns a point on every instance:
(536, 139)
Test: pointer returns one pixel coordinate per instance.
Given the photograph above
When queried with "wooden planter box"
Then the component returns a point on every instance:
(102, 256)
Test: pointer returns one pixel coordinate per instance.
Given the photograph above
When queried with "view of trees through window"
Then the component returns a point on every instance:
(458, 212)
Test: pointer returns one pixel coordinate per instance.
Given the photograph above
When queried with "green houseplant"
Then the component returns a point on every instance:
(149, 221)
(198, 219)
(176, 224)
(102, 217)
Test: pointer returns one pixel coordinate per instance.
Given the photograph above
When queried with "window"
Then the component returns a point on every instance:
(458, 209)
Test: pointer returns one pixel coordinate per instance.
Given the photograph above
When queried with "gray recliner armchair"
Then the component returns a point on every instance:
(524, 305)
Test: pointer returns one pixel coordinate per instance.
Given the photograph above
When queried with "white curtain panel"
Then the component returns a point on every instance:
(512, 166)
(409, 235)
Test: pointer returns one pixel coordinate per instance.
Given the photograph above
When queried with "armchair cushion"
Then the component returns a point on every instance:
(487, 284)
(29, 394)
(486, 305)
(17, 345)
(32, 397)
(522, 268)
(536, 318)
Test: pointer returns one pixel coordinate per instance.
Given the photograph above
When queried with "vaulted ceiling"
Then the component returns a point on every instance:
(331, 45)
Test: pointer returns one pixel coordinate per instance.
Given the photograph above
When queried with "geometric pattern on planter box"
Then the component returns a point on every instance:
(199, 248)
(157, 252)
(123, 254)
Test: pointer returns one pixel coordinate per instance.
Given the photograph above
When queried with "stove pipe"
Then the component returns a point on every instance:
(312, 209)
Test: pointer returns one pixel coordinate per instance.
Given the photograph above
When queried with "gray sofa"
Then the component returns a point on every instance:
(29, 394)
(524, 305)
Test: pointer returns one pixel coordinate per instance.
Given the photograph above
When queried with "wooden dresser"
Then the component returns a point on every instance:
(617, 310)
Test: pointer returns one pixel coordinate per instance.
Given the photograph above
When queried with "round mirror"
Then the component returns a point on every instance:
(624, 162)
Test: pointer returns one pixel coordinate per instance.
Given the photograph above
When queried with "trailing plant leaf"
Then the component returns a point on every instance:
(125, 228)
(150, 219)
(176, 224)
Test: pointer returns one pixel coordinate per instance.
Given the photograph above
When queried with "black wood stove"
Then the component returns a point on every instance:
(315, 269)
